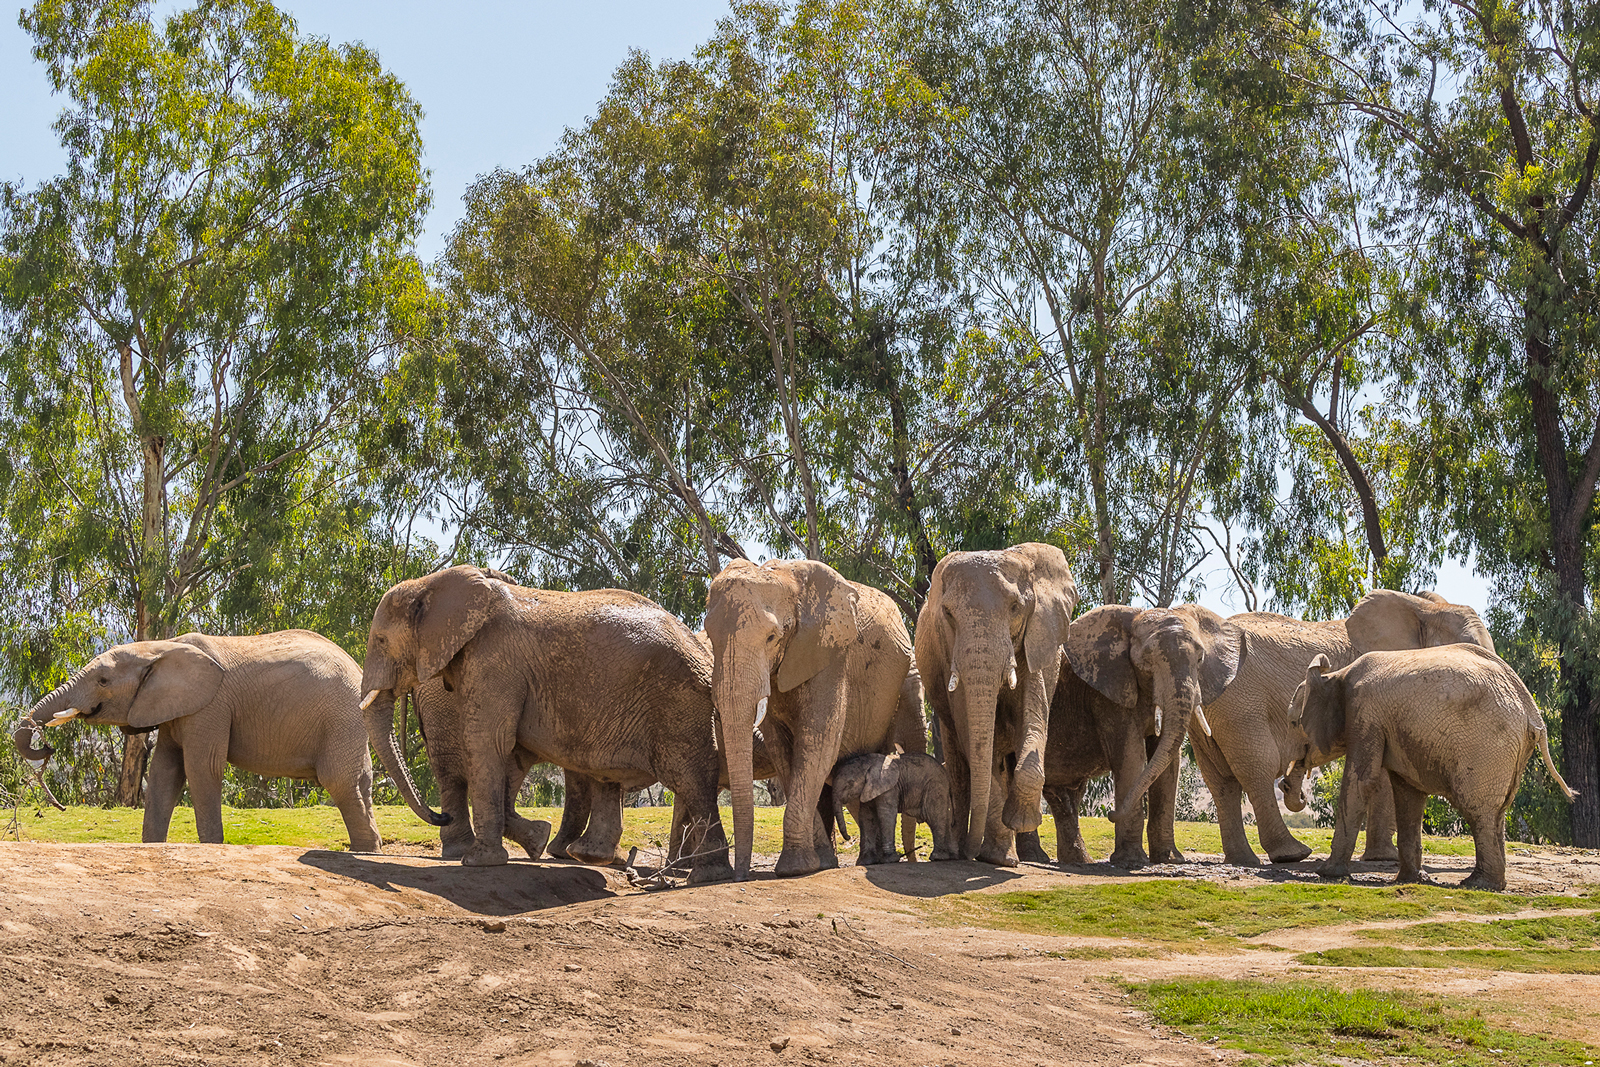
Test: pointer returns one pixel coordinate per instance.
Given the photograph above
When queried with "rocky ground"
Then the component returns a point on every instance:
(177, 954)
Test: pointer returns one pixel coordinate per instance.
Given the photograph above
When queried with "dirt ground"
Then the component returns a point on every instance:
(202, 954)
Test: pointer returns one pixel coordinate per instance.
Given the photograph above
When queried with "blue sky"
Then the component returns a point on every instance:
(498, 83)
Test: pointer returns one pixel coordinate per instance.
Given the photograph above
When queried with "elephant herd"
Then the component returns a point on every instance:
(804, 676)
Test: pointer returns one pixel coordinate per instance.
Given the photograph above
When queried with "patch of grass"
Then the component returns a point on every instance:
(1172, 910)
(1549, 931)
(1099, 836)
(1522, 960)
(1309, 1022)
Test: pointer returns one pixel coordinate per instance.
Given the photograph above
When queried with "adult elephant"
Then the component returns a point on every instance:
(604, 682)
(988, 648)
(1244, 742)
(816, 661)
(1091, 735)
(281, 705)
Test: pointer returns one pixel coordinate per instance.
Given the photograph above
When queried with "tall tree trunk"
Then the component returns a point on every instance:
(148, 624)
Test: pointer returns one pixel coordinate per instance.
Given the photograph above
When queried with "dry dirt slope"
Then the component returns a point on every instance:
(178, 954)
(136, 954)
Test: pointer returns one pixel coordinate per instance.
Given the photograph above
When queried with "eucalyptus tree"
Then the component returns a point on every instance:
(1481, 117)
(193, 309)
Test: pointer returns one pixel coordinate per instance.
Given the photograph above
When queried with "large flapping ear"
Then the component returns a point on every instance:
(452, 609)
(825, 620)
(179, 680)
(1323, 718)
(1225, 648)
(1386, 620)
(882, 777)
(1097, 649)
(1054, 600)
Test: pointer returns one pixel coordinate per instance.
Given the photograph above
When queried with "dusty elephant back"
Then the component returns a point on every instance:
(1279, 648)
(881, 657)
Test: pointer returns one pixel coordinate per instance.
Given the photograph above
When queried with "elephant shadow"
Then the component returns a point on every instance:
(937, 879)
(512, 889)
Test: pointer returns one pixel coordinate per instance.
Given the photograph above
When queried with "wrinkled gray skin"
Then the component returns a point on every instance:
(603, 682)
(988, 649)
(281, 705)
(818, 662)
(1451, 721)
(1157, 671)
(876, 787)
(439, 719)
(1090, 736)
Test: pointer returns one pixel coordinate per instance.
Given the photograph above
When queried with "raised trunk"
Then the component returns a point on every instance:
(380, 732)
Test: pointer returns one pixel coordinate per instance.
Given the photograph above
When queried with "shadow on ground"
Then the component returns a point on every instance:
(938, 879)
(517, 887)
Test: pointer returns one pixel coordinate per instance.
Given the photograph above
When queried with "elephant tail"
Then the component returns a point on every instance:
(1542, 732)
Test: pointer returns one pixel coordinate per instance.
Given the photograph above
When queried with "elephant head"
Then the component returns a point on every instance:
(139, 685)
(994, 622)
(1182, 658)
(775, 625)
(1318, 708)
(1388, 620)
(421, 625)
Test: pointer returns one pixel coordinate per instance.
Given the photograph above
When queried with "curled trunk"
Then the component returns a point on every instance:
(53, 704)
(1167, 750)
(380, 732)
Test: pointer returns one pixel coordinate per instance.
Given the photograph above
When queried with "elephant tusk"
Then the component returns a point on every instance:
(761, 710)
(370, 697)
(1158, 720)
(1012, 681)
(1200, 716)
(955, 680)
(65, 716)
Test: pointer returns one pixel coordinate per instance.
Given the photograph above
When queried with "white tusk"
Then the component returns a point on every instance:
(761, 710)
(1012, 681)
(65, 716)
(1158, 720)
(1200, 715)
(367, 703)
(955, 680)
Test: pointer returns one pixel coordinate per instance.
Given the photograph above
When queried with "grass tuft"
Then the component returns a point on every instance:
(1524, 961)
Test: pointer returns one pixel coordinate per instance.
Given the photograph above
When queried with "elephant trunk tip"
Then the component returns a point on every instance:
(439, 818)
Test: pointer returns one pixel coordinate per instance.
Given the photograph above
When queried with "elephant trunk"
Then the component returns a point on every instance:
(379, 713)
(979, 695)
(1182, 702)
(40, 715)
(742, 690)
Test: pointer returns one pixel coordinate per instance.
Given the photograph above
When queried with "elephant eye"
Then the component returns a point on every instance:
(104, 682)
(771, 638)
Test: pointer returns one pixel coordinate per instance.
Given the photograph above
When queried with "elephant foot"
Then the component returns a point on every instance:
(1130, 859)
(1029, 850)
(1380, 854)
(1243, 859)
(1023, 818)
(597, 856)
(365, 845)
(1480, 880)
(1333, 872)
(1292, 853)
(454, 850)
(531, 834)
(1417, 878)
(998, 858)
(795, 862)
(1166, 854)
(482, 854)
(712, 869)
(942, 854)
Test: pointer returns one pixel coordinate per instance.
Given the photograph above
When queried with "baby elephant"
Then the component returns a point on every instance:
(876, 788)
(1451, 721)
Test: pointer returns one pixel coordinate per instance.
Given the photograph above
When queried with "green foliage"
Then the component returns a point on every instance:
(1521, 960)
(1310, 1022)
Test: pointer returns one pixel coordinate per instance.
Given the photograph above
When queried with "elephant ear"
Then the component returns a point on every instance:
(1055, 599)
(454, 608)
(1324, 716)
(1386, 620)
(1226, 648)
(1098, 650)
(179, 681)
(882, 777)
(825, 621)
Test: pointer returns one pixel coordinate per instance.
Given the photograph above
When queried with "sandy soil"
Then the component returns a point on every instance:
(179, 954)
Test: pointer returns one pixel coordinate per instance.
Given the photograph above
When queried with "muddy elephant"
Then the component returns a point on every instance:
(876, 788)
(604, 682)
(988, 648)
(1451, 721)
(1091, 736)
(817, 662)
(281, 705)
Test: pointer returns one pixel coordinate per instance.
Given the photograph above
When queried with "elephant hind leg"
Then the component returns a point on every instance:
(1381, 823)
(1489, 848)
(599, 841)
(352, 795)
(577, 803)
(1408, 806)
(701, 841)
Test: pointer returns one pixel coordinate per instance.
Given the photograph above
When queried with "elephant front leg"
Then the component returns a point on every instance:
(1359, 780)
(531, 834)
(166, 786)
(204, 766)
(807, 847)
(577, 801)
(999, 840)
(1163, 815)
(489, 727)
(1281, 845)
(1128, 850)
(456, 836)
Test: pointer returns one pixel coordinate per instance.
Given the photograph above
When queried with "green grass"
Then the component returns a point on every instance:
(1312, 1023)
(1547, 931)
(1172, 910)
(1099, 837)
(1522, 960)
